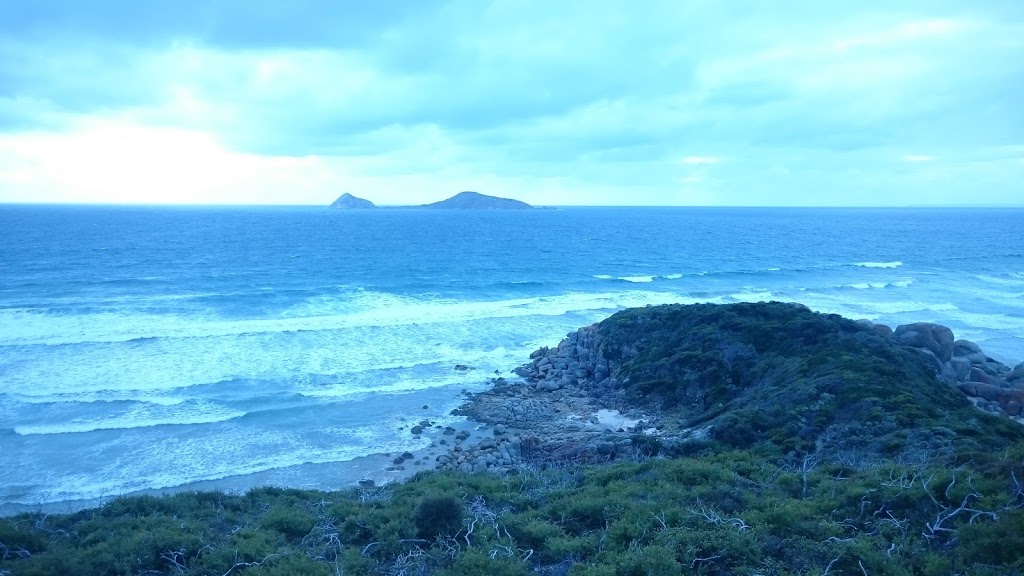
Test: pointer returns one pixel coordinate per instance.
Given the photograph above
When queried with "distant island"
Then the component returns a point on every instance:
(461, 201)
(349, 202)
(477, 201)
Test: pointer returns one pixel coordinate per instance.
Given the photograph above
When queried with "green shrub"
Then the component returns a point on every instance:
(439, 515)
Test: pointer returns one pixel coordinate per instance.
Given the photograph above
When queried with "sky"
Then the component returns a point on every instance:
(597, 102)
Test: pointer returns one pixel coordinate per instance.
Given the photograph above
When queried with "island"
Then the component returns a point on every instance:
(349, 202)
(461, 201)
(476, 201)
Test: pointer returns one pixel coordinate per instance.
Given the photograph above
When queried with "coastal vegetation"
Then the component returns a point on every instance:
(831, 448)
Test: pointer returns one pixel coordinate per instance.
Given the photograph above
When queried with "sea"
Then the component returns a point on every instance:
(146, 348)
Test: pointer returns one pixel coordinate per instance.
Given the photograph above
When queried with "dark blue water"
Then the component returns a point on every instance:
(146, 347)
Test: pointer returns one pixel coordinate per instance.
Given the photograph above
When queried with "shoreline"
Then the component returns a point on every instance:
(566, 406)
(378, 469)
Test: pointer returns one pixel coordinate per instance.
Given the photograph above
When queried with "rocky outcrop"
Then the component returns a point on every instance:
(992, 385)
(935, 338)
(477, 201)
(578, 401)
(349, 202)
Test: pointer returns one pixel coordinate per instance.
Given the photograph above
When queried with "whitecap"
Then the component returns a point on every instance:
(879, 264)
(144, 416)
(637, 279)
(753, 295)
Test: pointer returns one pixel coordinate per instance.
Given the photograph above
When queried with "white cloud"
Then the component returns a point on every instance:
(701, 160)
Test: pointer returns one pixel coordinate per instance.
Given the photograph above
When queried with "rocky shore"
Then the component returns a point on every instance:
(568, 405)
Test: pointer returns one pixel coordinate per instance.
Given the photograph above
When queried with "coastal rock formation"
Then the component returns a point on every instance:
(666, 379)
(992, 385)
(349, 202)
(477, 201)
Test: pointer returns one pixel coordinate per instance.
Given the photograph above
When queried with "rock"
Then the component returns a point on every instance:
(407, 456)
(367, 483)
(417, 430)
(995, 367)
(1016, 374)
(988, 392)
(965, 348)
(961, 367)
(425, 407)
(486, 444)
(883, 330)
(462, 367)
(980, 376)
(499, 429)
(933, 337)
(933, 362)
(480, 466)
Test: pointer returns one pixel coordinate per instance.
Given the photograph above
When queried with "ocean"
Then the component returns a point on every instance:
(145, 348)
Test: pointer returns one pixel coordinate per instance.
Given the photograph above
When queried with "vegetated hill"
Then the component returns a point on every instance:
(778, 374)
(477, 201)
(349, 202)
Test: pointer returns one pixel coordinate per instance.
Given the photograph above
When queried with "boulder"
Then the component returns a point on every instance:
(961, 367)
(883, 330)
(965, 348)
(989, 392)
(935, 338)
(979, 375)
(1017, 374)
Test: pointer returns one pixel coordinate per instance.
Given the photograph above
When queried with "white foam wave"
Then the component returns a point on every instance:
(231, 452)
(1014, 281)
(144, 416)
(491, 335)
(753, 295)
(632, 279)
(878, 264)
(673, 276)
(903, 307)
(879, 285)
(20, 327)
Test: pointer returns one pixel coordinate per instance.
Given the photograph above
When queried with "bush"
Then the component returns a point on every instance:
(438, 516)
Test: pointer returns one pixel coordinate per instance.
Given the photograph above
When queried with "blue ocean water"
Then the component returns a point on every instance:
(152, 347)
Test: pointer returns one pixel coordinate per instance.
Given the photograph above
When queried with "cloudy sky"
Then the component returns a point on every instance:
(597, 102)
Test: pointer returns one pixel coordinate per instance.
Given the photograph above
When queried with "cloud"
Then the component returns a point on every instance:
(701, 160)
(579, 104)
(918, 158)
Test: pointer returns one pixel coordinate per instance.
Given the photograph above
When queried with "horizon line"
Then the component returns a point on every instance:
(540, 206)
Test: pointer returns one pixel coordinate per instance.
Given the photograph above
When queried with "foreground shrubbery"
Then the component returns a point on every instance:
(725, 512)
